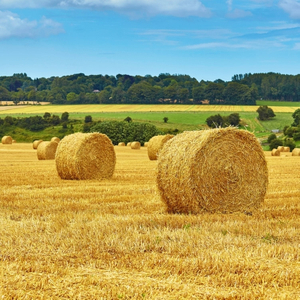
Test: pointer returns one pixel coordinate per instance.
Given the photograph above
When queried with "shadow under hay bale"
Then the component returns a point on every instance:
(7, 140)
(296, 152)
(36, 143)
(216, 170)
(85, 156)
(156, 143)
(46, 150)
(275, 152)
(135, 145)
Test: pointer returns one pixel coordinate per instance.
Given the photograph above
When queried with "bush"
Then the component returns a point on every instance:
(290, 143)
(289, 131)
(88, 119)
(296, 136)
(272, 137)
(275, 143)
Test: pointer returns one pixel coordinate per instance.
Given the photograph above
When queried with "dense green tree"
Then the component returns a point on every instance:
(296, 117)
(275, 143)
(215, 121)
(265, 113)
(65, 117)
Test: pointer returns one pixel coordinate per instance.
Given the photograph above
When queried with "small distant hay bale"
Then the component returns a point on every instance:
(275, 152)
(217, 170)
(146, 144)
(135, 145)
(296, 152)
(280, 148)
(286, 149)
(121, 144)
(85, 156)
(36, 143)
(55, 139)
(14, 141)
(156, 143)
(129, 144)
(7, 139)
(46, 150)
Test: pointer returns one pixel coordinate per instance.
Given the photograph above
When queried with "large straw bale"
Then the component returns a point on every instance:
(7, 139)
(85, 156)
(216, 170)
(135, 145)
(296, 152)
(155, 145)
(280, 148)
(275, 152)
(121, 144)
(46, 150)
(36, 143)
(286, 149)
(55, 139)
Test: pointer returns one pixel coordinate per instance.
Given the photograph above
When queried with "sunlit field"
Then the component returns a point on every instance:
(91, 108)
(113, 239)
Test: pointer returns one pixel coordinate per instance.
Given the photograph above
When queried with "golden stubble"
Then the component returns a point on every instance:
(113, 239)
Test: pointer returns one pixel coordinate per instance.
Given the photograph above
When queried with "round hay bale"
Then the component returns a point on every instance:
(146, 144)
(156, 143)
(275, 152)
(296, 152)
(14, 141)
(129, 144)
(280, 148)
(286, 149)
(46, 150)
(216, 170)
(135, 145)
(36, 143)
(85, 156)
(121, 144)
(55, 139)
(7, 139)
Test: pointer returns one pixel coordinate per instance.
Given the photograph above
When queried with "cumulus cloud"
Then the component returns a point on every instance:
(292, 7)
(179, 8)
(11, 25)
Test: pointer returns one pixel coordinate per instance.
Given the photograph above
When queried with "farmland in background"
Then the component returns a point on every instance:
(112, 239)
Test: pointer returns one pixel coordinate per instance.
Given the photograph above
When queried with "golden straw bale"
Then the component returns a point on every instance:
(286, 149)
(7, 139)
(129, 144)
(155, 145)
(296, 152)
(280, 148)
(36, 143)
(85, 156)
(215, 170)
(55, 139)
(14, 141)
(121, 144)
(46, 150)
(135, 145)
(275, 152)
(146, 144)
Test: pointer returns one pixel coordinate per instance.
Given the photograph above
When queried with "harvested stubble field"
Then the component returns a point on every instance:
(112, 239)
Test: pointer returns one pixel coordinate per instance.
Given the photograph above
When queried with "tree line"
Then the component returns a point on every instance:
(163, 89)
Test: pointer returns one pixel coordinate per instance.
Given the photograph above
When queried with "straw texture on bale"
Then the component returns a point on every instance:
(46, 150)
(275, 152)
(296, 152)
(280, 148)
(135, 145)
(286, 149)
(55, 139)
(85, 156)
(156, 143)
(7, 139)
(129, 144)
(216, 170)
(121, 144)
(36, 143)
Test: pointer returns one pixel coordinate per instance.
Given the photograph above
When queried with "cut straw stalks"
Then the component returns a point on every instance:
(36, 143)
(217, 170)
(85, 156)
(46, 150)
(135, 145)
(275, 152)
(156, 143)
(7, 139)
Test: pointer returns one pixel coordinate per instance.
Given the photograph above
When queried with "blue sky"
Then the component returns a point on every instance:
(205, 39)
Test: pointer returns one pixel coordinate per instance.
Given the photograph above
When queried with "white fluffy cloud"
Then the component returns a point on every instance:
(292, 7)
(179, 8)
(11, 25)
